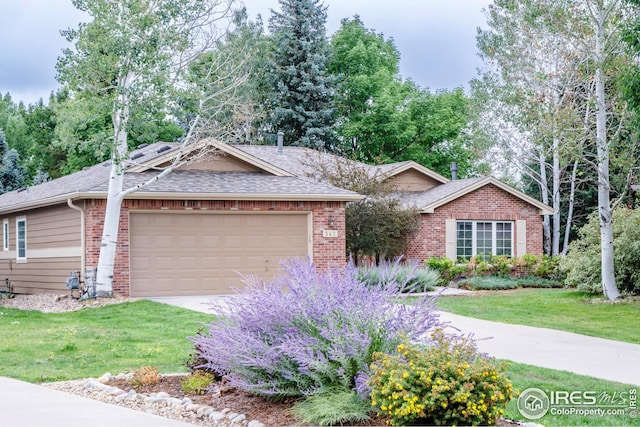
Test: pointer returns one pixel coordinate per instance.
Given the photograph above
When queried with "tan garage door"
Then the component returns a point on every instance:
(195, 254)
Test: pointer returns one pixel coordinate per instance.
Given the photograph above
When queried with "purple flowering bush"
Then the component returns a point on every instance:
(310, 332)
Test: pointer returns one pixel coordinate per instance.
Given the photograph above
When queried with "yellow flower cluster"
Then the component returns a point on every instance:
(446, 382)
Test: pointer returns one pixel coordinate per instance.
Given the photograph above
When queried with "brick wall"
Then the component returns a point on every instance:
(487, 203)
(327, 251)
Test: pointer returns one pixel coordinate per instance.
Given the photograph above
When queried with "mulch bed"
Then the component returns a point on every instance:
(270, 413)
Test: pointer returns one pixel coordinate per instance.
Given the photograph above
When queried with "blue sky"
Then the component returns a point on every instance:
(436, 38)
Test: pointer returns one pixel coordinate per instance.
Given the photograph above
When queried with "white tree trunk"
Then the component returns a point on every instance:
(605, 213)
(555, 237)
(572, 195)
(115, 195)
(544, 195)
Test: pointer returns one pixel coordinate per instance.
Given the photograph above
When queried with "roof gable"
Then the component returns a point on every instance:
(208, 147)
(394, 169)
(430, 200)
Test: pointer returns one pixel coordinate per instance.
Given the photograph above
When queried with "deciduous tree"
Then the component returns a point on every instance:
(132, 57)
(378, 226)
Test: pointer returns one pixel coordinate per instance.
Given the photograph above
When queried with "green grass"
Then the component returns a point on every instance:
(39, 347)
(562, 309)
(526, 376)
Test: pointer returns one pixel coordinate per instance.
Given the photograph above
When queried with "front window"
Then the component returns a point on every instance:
(483, 239)
(21, 239)
(5, 235)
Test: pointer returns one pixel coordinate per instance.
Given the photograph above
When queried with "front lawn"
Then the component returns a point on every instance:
(39, 347)
(608, 394)
(563, 309)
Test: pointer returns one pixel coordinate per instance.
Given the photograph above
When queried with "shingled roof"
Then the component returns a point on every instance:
(289, 175)
(93, 182)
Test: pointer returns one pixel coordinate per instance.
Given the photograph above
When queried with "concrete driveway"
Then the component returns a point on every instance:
(547, 348)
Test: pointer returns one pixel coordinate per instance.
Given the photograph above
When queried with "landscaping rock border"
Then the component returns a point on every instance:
(160, 403)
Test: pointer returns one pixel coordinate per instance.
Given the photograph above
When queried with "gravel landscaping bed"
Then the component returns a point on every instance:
(52, 303)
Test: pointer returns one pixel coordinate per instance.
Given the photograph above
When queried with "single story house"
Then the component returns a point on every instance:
(459, 218)
(239, 208)
(187, 234)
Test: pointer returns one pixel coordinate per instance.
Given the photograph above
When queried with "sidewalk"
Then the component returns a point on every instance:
(549, 348)
(32, 405)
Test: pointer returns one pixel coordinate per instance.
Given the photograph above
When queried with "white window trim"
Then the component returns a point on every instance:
(5, 234)
(494, 232)
(18, 258)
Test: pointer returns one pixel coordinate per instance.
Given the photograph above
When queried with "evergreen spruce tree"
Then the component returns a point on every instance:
(12, 173)
(302, 89)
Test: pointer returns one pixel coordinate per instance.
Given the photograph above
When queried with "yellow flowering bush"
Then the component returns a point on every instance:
(447, 383)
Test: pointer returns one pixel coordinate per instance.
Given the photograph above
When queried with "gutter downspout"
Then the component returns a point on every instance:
(83, 255)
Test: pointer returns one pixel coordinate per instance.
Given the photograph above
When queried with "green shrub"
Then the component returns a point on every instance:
(197, 382)
(501, 266)
(447, 383)
(530, 262)
(582, 263)
(538, 282)
(333, 407)
(447, 268)
(543, 266)
(409, 277)
(478, 283)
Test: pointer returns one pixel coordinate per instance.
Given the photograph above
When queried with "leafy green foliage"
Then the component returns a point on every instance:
(332, 408)
(582, 263)
(382, 118)
(378, 226)
(446, 383)
(197, 382)
(448, 269)
(301, 89)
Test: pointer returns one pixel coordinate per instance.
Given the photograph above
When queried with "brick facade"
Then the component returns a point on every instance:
(486, 203)
(327, 251)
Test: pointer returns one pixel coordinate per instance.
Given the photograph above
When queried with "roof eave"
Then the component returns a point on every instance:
(244, 196)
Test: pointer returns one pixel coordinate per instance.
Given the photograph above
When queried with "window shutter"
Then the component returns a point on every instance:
(521, 238)
(450, 239)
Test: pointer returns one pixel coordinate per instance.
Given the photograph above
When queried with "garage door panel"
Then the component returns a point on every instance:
(187, 241)
(190, 254)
